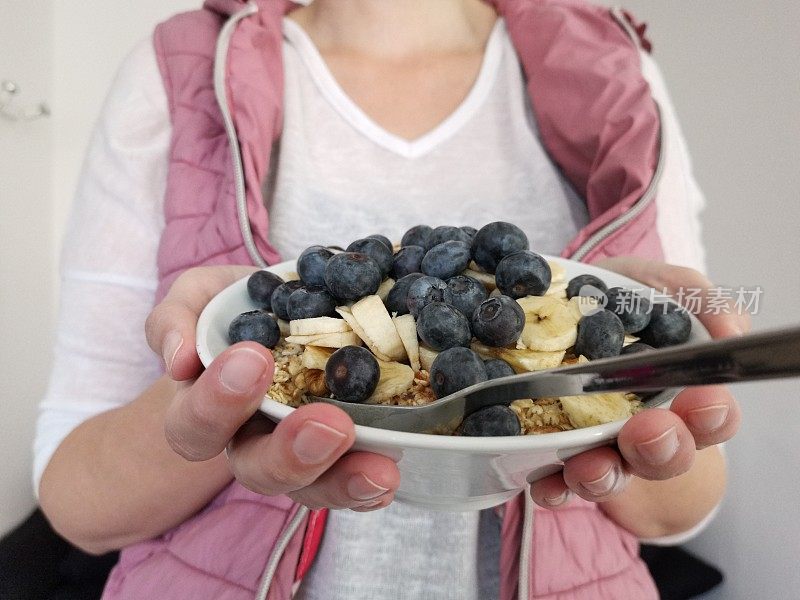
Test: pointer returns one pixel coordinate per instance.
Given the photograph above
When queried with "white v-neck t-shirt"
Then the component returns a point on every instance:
(483, 163)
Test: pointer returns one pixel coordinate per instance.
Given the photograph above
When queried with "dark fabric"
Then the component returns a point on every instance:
(678, 574)
(37, 564)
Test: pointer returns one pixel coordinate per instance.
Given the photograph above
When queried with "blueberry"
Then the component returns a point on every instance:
(496, 368)
(467, 293)
(523, 273)
(417, 236)
(396, 299)
(470, 231)
(376, 250)
(260, 287)
(632, 309)
(425, 290)
(447, 233)
(407, 260)
(587, 286)
(446, 260)
(352, 275)
(386, 241)
(441, 326)
(495, 241)
(311, 265)
(352, 374)
(255, 326)
(498, 321)
(669, 325)
(497, 420)
(636, 347)
(280, 298)
(455, 369)
(309, 302)
(600, 335)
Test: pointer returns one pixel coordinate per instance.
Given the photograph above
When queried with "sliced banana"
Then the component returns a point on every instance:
(290, 276)
(395, 378)
(487, 279)
(580, 306)
(381, 334)
(596, 409)
(521, 360)
(407, 330)
(284, 328)
(345, 313)
(318, 325)
(557, 272)
(426, 357)
(326, 340)
(628, 340)
(315, 357)
(550, 325)
(384, 289)
(557, 289)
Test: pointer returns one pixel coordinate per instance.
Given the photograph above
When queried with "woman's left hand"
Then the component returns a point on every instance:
(655, 444)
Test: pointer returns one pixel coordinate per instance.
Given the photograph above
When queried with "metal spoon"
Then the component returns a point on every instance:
(768, 355)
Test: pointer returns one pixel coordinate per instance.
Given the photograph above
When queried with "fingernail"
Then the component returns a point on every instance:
(707, 419)
(315, 443)
(660, 449)
(606, 483)
(242, 370)
(169, 349)
(371, 504)
(562, 498)
(361, 487)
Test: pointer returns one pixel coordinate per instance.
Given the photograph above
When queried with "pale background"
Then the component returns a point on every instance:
(734, 70)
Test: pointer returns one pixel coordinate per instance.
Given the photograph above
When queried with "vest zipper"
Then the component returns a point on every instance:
(220, 75)
(643, 202)
(278, 550)
(525, 546)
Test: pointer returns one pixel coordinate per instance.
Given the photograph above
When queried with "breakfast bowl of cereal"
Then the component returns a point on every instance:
(446, 309)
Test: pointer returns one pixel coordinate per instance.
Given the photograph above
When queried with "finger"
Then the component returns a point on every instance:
(656, 444)
(170, 327)
(206, 414)
(690, 287)
(596, 475)
(551, 492)
(359, 479)
(711, 414)
(301, 448)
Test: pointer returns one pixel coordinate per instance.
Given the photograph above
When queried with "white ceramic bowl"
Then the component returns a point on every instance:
(445, 472)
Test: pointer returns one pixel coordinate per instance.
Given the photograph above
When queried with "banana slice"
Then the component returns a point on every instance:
(407, 329)
(396, 378)
(487, 279)
(426, 357)
(557, 272)
(284, 327)
(521, 360)
(628, 340)
(326, 340)
(385, 288)
(315, 357)
(580, 306)
(495, 293)
(318, 325)
(596, 409)
(549, 324)
(379, 330)
(345, 313)
(291, 276)
(557, 289)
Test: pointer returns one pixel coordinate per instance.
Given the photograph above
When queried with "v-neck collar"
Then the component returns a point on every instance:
(362, 122)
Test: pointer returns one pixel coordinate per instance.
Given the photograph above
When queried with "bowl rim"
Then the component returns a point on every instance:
(595, 434)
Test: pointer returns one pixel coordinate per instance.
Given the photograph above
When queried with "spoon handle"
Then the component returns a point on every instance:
(768, 355)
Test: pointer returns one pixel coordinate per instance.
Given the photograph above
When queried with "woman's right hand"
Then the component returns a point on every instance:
(217, 409)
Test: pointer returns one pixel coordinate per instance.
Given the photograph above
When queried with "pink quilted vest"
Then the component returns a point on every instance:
(601, 126)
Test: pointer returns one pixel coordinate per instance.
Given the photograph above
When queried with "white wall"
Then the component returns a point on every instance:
(734, 70)
(26, 249)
